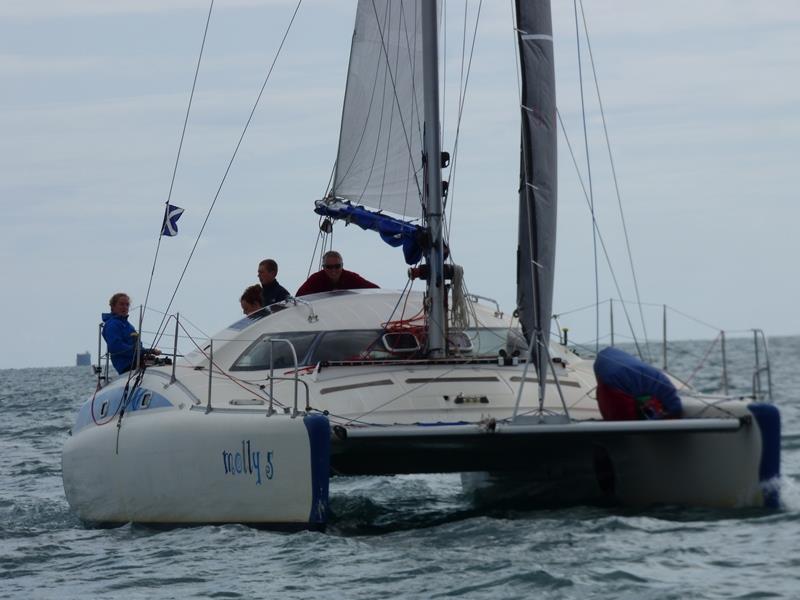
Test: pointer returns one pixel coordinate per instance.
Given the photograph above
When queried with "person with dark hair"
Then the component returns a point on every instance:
(333, 277)
(271, 290)
(121, 338)
(251, 299)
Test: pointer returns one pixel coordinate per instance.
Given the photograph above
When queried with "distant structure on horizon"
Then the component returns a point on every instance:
(83, 359)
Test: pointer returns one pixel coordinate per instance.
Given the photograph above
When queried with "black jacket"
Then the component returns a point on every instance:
(272, 293)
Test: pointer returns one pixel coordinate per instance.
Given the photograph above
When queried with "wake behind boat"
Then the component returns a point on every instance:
(250, 426)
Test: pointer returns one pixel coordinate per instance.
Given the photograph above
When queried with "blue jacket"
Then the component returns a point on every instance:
(121, 339)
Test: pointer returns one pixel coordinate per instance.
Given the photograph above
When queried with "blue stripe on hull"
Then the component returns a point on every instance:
(319, 438)
(769, 422)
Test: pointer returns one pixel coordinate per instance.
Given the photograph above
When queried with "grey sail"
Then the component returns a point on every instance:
(538, 178)
(379, 159)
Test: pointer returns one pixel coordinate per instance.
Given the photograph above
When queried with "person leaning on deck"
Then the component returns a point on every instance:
(333, 277)
(251, 299)
(271, 290)
(120, 336)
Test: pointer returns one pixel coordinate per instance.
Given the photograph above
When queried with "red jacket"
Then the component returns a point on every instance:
(319, 282)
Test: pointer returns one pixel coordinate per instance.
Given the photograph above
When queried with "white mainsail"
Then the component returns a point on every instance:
(379, 160)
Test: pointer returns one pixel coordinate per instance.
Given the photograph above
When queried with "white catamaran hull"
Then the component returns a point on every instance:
(721, 463)
(177, 464)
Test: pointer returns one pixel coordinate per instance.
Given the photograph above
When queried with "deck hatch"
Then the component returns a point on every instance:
(246, 401)
(491, 379)
(354, 386)
(563, 382)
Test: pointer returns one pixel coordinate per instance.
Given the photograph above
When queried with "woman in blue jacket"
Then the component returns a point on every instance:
(120, 336)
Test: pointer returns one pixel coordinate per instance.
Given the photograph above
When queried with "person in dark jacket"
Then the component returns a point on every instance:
(271, 290)
(333, 277)
(120, 336)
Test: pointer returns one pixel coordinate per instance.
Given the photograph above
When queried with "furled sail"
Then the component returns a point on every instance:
(379, 160)
(394, 232)
(538, 177)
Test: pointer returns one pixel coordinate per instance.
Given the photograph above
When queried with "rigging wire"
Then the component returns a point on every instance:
(178, 156)
(412, 60)
(602, 245)
(691, 318)
(463, 54)
(230, 163)
(577, 310)
(623, 301)
(329, 186)
(614, 176)
(320, 234)
(589, 176)
(415, 111)
(444, 70)
(461, 102)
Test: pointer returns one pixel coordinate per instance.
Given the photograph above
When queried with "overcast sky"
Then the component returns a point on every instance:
(702, 101)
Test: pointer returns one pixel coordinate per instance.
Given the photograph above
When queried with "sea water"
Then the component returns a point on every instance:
(394, 537)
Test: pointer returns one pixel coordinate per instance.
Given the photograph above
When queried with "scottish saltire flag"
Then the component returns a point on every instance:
(171, 216)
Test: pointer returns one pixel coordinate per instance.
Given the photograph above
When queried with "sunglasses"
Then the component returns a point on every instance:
(334, 266)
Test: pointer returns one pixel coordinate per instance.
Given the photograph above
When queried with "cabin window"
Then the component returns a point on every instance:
(257, 356)
(487, 342)
(352, 345)
(459, 342)
(401, 342)
(375, 344)
(250, 319)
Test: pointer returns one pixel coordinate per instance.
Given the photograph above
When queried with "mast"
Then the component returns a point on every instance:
(432, 193)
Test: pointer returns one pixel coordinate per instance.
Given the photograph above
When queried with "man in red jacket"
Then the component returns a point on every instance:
(333, 277)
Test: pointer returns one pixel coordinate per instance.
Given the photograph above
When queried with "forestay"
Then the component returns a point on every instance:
(379, 160)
